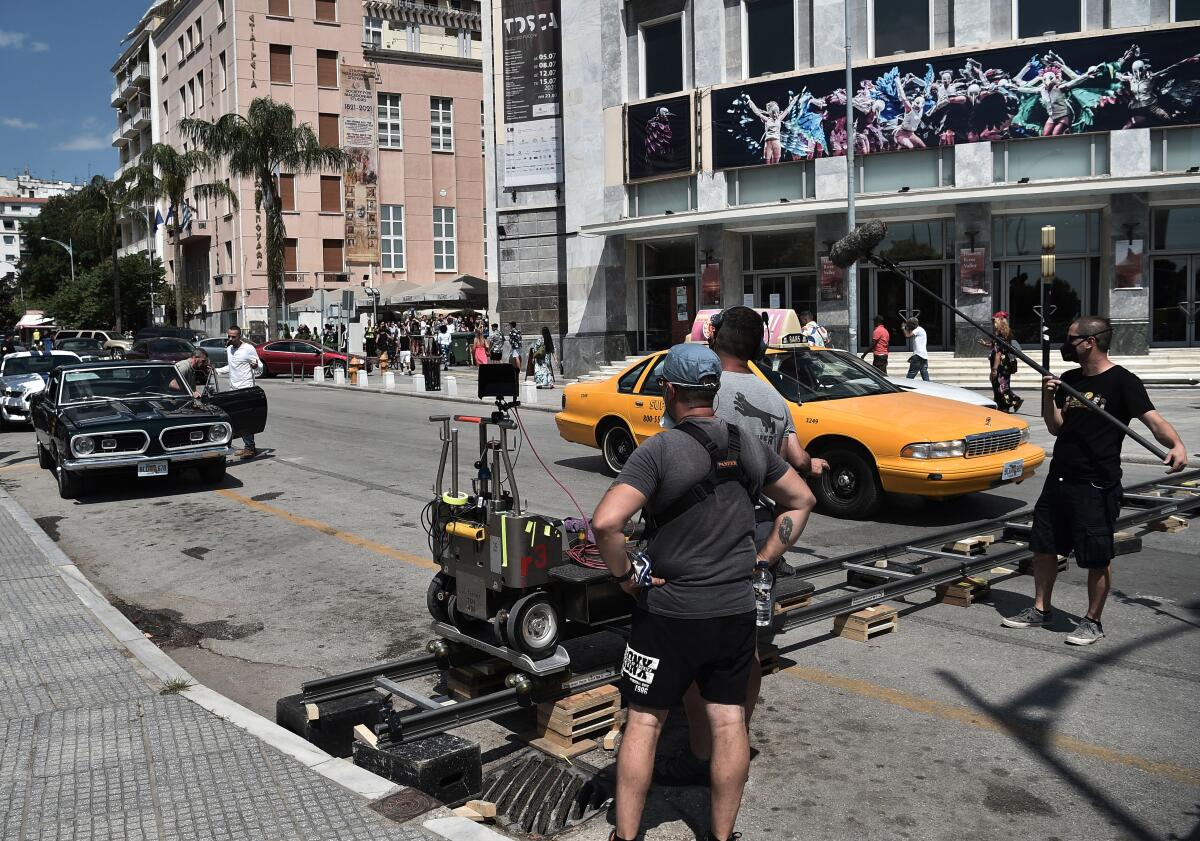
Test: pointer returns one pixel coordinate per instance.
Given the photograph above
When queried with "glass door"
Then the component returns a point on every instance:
(1175, 301)
(668, 310)
(772, 292)
(1065, 298)
(889, 295)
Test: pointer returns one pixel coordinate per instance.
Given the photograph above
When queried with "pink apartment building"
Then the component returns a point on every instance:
(212, 57)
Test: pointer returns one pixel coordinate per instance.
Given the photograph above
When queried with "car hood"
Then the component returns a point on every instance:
(29, 382)
(911, 417)
(944, 390)
(171, 410)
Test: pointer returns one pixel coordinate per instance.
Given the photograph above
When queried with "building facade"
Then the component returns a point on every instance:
(703, 152)
(22, 199)
(423, 211)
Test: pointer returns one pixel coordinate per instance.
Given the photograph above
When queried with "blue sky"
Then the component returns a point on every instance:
(54, 59)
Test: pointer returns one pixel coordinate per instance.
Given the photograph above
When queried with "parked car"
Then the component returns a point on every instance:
(932, 388)
(188, 334)
(88, 350)
(287, 355)
(876, 436)
(137, 418)
(215, 348)
(160, 350)
(22, 375)
(113, 342)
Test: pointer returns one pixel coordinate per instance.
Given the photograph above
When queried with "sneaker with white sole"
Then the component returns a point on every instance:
(1030, 617)
(1086, 632)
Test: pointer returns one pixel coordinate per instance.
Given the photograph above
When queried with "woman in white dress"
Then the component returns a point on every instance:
(772, 120)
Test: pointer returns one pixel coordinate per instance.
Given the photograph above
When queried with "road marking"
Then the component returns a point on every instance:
(21, 466)
(326, 529)
(963, 715)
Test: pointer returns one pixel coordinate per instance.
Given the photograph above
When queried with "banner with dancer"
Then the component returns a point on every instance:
(1062, 86)
(659, 137)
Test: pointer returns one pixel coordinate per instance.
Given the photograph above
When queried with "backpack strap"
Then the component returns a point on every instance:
(726, 466)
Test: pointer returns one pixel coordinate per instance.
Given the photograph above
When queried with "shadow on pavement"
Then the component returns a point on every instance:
(922, 512)
(122, 489)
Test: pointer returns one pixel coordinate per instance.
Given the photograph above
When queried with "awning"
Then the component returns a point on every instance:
(34, 318)
(463, 289)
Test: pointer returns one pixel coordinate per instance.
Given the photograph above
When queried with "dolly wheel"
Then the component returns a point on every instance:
(533, 625)
(437, 596)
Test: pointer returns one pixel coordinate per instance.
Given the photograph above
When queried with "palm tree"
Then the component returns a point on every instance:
(268, 140)
(110, 202)
(163, 174)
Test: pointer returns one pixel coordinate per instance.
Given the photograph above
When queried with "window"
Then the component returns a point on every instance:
(899, 27)
(1050, 157)
(220, 12)
(760, 185)
(331, 194)
(199, 32)
(285, 184)
(1034, 18)
(441, 123)
(223, 69)
(391, 129)
(229, 255)
(671, 195)
(281, 64)
(191, 96)
(444, 251)
(200, 88)
(662, 57)
(289, 255)
(182, 52)
(914, 169)
(280, 8)
(228, 203)
(1185, 10)
(331, 256)
(166, 123)
(163, 61)
(770, 36)
(327, 68)
(182, 100)
(391, 236)
(328, 133)
(1174, 150)
(327, 11)
(373, 32)
(191, 42)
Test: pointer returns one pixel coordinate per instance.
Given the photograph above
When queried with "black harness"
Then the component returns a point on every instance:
(726, 467)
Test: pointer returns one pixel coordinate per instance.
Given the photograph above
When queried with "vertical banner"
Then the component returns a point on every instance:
(361, 181)
(1127, 262)
(833, 281)
(532, 93)
(972, 271)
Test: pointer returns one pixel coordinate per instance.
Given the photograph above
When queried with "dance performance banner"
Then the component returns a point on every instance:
(361, 177)
(659, 137)
(1061, 86)
(531, 47)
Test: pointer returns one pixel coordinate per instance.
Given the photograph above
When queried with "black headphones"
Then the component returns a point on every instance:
(717, 320)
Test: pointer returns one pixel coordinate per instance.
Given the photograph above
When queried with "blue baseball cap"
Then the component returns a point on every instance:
(692, 365)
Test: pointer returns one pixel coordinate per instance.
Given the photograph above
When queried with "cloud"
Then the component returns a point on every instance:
(17, 123)
(83, 143)
(20, 41)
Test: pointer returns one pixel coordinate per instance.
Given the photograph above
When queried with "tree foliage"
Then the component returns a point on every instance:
(111, 201)
(88, 303)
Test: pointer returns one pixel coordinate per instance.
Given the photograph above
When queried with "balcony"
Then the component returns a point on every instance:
(198, 230)
(118, 136)
(117, 96)
(130, 81)
(129, 129)
(141, 118)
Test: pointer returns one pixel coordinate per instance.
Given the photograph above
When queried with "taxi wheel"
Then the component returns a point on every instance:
(618, 445)
(849, 487)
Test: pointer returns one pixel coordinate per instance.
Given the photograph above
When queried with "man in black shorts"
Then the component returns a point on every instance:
(697, 482)
(1078, 508)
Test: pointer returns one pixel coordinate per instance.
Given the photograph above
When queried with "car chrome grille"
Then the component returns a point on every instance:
(183, 436)
(120, 442)
(987, 443)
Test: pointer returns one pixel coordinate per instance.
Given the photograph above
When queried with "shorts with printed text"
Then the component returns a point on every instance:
(1076, 516)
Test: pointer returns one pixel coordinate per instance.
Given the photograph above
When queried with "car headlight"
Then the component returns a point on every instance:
(83, 445)
(935, 449)
(217, 433)
(1025, 434)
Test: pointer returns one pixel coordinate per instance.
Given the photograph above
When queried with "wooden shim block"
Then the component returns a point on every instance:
(312, 712)
(790, 603)
(966, 546)
(963, 592)
(468, 813)
(867, 623)
(565, 722)
(610, 740)
(364, 734)
(559, 751)
(1171, 524)
(592, 697)
(484, 808)
(581, 732)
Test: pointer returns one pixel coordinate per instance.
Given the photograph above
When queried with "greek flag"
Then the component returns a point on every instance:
(186, 220)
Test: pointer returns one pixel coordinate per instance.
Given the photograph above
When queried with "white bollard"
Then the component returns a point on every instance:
(529, 393)
(451, 386)
(363, 380)
(318, 374)
(389, 380)
(339, 376)
(418, 382)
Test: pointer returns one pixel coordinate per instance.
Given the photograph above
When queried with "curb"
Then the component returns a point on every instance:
(430, 395)
(363, 783)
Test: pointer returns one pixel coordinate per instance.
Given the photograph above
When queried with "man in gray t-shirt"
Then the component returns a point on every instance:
(756, 407)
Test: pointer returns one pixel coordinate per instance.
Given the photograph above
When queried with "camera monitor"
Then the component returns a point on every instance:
(497, 379)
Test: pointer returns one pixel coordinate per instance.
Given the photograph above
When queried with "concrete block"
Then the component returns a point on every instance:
(318, 375)
(451, 386)
(529, 393)
(339, 376)
(389, 380)
(444, 766)
(332, 730)
(364, 381)
(418, 382)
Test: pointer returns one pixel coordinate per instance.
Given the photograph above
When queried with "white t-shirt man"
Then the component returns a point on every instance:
(242, 365)
(920, 341)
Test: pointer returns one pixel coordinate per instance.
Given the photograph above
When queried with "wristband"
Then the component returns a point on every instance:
(623, 578)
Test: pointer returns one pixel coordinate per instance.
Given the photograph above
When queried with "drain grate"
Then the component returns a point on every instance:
(538, 795)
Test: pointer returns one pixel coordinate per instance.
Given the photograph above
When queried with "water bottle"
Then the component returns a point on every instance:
(642, 569)
(764, 602)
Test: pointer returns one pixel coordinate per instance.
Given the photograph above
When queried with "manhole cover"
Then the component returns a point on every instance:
(539, 796)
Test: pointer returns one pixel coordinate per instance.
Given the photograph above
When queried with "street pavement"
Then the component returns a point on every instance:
(312, 560)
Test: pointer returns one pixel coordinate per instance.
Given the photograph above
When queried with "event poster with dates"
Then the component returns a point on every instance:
(532, 93)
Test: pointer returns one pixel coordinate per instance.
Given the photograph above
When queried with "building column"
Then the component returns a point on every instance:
(716, 244)
(834, 316)
(972, 230)
(1127, 306)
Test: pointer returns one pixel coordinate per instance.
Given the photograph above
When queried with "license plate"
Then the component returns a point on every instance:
(152, 468)
(1012, 470)
(14, 402)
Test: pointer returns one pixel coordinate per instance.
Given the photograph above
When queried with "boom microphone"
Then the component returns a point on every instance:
(857, 244)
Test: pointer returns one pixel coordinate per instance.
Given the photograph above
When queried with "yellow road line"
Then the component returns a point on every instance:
(326, 529)
(962, 715)
(21, 466)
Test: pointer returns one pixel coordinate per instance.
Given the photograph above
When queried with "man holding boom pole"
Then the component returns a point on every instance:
(1081, 500)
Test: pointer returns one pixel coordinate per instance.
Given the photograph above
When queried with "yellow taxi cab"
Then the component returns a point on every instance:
(876, 436)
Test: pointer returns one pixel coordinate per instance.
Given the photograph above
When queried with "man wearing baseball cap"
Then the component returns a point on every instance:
(694, 617)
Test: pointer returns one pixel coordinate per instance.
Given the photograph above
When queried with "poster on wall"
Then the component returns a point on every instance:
(659, 137)
(972, 271)
(833, 281)
(361, 177)
(1063, 86)
(532, 92)
(1127, 262)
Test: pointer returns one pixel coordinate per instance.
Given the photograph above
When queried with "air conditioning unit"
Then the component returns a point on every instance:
(202, 224)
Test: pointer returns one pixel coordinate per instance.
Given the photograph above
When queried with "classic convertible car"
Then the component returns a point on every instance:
(136, 417)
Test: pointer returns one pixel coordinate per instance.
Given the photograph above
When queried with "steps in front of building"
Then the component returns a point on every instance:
(614, 367)
(1161, 364)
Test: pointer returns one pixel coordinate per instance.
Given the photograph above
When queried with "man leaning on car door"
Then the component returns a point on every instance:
(242, 365)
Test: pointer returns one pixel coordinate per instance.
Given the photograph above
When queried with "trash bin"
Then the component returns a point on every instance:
(460, 348)
(431, 369)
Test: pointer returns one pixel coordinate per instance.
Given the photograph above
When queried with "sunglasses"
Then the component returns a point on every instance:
(1075, 340)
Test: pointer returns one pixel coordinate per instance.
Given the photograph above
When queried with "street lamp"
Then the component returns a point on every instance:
(1048, 266)
(70, 249)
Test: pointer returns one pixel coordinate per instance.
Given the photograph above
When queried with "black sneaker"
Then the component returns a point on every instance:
(784, 568)
(683, 769)
(736, 836)
(1030, 617)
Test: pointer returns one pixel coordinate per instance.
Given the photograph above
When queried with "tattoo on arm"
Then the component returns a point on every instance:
(785, 531)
